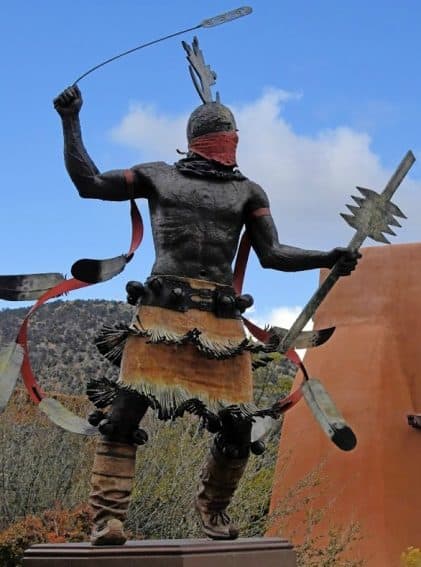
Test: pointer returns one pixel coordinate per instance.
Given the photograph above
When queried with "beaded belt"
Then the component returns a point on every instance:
(177, 294)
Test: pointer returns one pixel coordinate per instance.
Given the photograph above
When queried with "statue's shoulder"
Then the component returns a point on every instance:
(155, 175)
(153, 169)
(256, 195)
(253, 188)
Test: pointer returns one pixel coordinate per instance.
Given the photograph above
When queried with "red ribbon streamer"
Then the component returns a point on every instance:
(35, 392)
(260, 334)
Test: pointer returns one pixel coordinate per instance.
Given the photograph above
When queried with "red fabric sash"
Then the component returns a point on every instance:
(261, 334)
(217, 146)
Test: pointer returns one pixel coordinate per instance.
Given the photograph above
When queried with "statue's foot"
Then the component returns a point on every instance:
(111, 534)
(216, 525)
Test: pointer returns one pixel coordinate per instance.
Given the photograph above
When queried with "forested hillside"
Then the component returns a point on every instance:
(61, 340)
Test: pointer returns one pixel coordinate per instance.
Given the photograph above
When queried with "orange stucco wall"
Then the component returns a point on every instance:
(372, 368)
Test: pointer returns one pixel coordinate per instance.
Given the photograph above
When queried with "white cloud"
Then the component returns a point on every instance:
(309, 179)
(280, 317)
(154, 134)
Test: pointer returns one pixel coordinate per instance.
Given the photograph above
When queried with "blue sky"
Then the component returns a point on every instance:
(326, 92)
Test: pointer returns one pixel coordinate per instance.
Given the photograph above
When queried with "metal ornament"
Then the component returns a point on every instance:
(306, 339)
(327, 415)
(204, 73)
(19, 288)
(27, 287)
(226, 17)
(93, 271)
(11, 358)
(14, 360)
(65, 418)
(208, 23)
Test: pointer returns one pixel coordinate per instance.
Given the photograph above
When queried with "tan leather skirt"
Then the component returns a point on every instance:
(214, 366)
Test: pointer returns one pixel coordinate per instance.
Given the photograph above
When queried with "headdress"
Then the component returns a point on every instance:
(211, 129)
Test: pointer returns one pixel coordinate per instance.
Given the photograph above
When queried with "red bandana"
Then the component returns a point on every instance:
(217, 146)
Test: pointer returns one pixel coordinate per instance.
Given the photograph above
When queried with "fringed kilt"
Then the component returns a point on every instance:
(173, 356)
(177, 370)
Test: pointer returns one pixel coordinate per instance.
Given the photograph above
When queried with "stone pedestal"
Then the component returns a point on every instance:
(251, 552)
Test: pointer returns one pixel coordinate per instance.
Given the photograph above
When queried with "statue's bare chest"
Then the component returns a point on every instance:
(191, 197)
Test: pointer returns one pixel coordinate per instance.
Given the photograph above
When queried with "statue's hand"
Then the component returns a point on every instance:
(69, 102)
(347, 260)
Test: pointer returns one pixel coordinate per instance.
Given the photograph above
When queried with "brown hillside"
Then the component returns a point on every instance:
(61, 340)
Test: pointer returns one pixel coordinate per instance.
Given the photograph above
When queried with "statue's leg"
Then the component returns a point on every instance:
(114, 467)
(222, 472)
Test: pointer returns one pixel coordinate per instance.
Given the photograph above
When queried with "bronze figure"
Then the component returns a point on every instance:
(186, 349)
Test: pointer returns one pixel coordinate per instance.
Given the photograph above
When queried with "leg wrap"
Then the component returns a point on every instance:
(112, 483)
(218, 481)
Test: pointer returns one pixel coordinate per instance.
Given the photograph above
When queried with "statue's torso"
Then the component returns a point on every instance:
(196, 224)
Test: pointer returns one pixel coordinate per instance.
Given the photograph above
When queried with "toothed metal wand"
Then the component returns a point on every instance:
(371, 217)
(208, 23)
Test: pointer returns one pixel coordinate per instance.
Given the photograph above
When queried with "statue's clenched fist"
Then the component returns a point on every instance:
(345, 258)
(69, 101)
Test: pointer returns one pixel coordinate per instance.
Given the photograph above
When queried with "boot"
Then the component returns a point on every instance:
(218, 481)
(111, 483)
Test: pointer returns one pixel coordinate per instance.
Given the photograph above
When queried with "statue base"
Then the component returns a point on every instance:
(247, 552)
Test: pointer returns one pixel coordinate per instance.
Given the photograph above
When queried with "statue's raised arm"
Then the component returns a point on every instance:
(115, 185)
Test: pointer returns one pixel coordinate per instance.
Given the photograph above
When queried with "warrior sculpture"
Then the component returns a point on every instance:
(186, 349)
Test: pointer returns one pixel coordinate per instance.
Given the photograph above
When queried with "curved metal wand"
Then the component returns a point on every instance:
(208, 23)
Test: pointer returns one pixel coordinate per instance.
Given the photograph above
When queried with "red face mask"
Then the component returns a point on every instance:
(217, 146)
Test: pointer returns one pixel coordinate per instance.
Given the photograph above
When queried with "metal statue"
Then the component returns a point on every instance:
(186, 349)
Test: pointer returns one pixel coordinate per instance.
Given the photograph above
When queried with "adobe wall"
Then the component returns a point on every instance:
(372, 368)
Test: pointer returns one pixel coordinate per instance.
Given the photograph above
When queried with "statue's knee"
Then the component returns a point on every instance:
(234, 438)
(121, 422)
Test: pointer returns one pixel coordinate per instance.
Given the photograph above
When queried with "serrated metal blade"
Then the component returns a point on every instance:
(358, 200)
(395, 210)
(350, 219)
(226, 17)
(353, 209)
(388, 230)
(379, 237)
(367, 192)
(394, 222)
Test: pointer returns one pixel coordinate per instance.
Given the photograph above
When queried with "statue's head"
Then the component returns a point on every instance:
(208, 118)
(211, 129)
